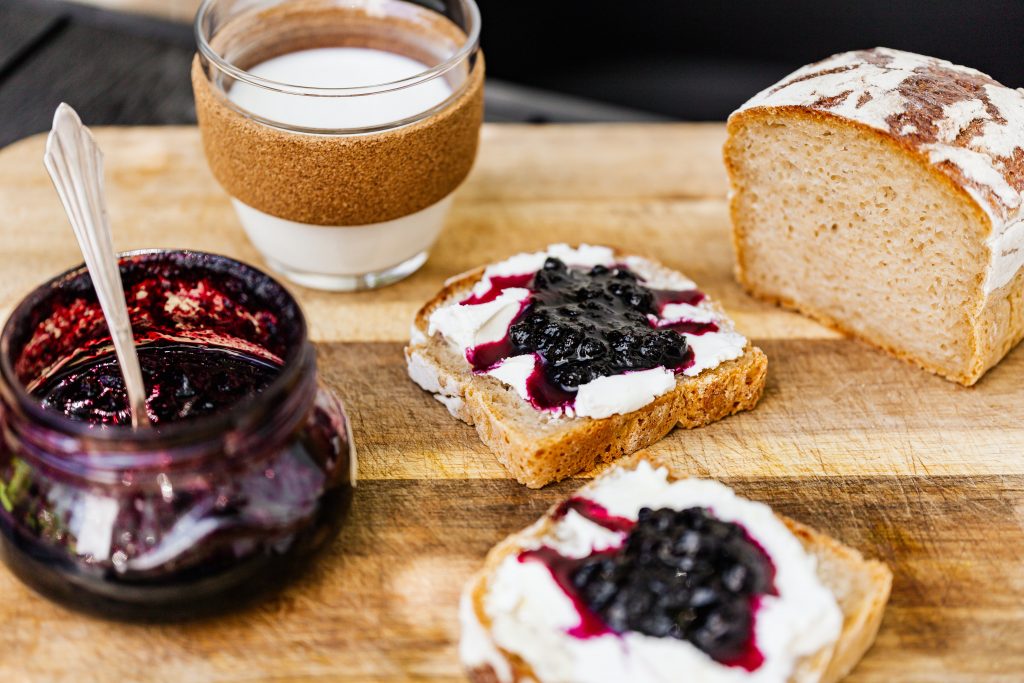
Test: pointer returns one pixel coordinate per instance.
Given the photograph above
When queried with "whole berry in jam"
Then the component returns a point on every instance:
(586, 324)
(183, 381)
(682, 574)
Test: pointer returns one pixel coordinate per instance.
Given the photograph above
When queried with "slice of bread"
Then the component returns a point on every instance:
(882, 193)
(538, 448)
(860, 586)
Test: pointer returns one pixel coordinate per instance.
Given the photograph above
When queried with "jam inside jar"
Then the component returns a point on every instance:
(247, 469)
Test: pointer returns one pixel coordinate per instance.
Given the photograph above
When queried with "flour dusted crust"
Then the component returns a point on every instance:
(861, 588)
(538, 448)
(960, 124)
(970, 127)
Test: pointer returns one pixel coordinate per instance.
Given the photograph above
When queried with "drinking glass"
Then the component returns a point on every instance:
(340, 128)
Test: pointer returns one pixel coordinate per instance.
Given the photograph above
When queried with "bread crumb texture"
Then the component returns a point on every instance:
(876, 191)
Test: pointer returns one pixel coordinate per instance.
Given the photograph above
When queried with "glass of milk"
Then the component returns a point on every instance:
(340, 128)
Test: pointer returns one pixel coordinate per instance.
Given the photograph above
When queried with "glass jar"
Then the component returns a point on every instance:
(183, 518)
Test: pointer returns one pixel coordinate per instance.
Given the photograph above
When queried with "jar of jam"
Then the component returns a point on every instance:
(246, 469)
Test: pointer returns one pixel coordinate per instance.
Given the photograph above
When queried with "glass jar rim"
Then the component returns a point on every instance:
(194, 430)
(466, 50)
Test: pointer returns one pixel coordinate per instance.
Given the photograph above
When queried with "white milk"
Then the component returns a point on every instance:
(343, 257)
(339, 67)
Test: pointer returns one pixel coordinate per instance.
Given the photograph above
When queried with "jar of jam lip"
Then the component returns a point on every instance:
(247, 467)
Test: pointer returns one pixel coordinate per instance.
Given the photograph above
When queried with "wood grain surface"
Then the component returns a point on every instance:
(177, 10)
(921, 473)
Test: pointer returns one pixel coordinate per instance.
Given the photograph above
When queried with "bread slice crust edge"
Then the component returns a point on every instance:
(861, 587)
(556, 448)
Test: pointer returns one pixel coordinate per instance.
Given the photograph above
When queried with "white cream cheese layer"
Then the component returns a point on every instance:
(468, 326)
(584, 256)
(606, 396)
(530, 615)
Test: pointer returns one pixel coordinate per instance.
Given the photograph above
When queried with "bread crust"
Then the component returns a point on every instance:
(996, 320)
(861, 587)
(538, 450)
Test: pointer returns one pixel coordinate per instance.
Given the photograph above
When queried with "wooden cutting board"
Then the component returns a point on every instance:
(923, 474)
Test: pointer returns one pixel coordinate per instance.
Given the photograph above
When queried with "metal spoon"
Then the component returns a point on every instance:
(75, 164)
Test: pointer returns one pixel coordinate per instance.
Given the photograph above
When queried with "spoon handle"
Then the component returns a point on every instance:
(75, 164)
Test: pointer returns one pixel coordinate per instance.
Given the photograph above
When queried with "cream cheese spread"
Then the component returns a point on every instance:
(530, 615)
(468, 325)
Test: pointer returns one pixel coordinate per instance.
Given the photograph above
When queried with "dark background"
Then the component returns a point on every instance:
(700, 60)
(559, 60)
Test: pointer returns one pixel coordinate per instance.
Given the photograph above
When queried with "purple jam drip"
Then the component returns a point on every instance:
(692, 297)
(499, 283)
(687, 327)
(562, 570)
(664, 297)
(751, 658)
(545, 394)
(483, 357)
(566, 571)
(594, 512)
(688, 361)
(183, 381)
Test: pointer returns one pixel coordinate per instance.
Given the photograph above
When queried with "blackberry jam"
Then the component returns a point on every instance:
(246, 471)
(183, 381)
(582, 324)
(590, 324)
(679, 574)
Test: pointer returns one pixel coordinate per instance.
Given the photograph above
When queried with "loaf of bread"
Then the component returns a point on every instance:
(515, 611)
(880, 192)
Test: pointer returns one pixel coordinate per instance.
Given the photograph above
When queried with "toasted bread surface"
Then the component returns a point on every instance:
(538, 448)
(861, 588)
